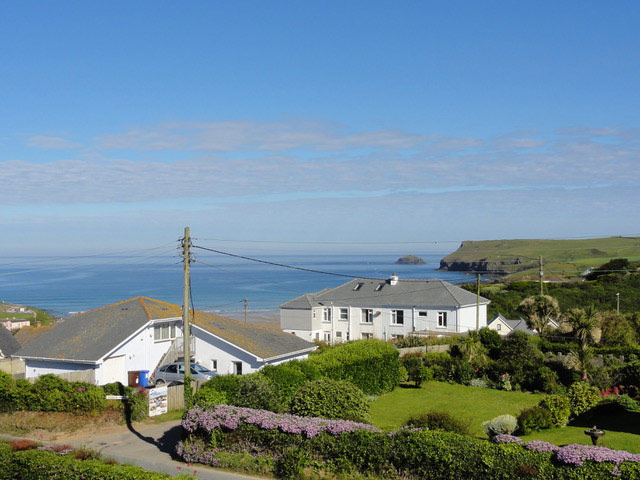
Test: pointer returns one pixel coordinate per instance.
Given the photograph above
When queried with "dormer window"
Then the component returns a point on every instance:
(357, 286)
(379, 287)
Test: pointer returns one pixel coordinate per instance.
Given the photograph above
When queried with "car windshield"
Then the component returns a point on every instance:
(198, 368)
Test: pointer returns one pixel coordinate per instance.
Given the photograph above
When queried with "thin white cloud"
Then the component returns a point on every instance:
(51, 143)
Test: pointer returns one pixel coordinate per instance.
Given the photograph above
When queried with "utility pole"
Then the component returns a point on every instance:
(186, 334)
(541, 277)
(618, 303)
(246, 306)
(477, 302)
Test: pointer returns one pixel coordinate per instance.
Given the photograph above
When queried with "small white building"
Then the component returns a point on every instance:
(15, 324)
(384, 309)
(505, 327)
(143, 334)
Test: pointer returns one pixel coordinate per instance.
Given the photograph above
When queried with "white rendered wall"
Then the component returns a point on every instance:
(35, 368)
(209, 347)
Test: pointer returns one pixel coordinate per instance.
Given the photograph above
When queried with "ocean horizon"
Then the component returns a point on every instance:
(218, 284)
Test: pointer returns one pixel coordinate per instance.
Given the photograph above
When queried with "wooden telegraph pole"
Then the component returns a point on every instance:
(541, 277)
(477, 302)
(186, 330)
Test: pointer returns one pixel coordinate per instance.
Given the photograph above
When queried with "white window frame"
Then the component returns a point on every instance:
(442, 319)
(326, 315)
(498, 326)
(394, 317)
(164, 332)
(327, 337)
(366, 336)
(214, 365)
(343, 314)
(367, 316)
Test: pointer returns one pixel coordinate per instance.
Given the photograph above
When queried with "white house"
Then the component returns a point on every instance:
(142, 334)
(504, 326)
(384, 309)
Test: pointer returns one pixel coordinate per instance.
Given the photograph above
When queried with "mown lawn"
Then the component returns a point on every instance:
(475, 405)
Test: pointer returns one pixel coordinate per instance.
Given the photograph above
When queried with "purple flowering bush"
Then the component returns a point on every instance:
(576, 454)
(228, 417)
(541, 446)
(504, 438)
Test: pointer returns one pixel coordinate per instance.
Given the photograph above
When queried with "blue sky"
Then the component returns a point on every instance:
(123, 122)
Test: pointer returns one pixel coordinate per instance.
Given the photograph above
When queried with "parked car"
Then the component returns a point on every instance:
(174, 372)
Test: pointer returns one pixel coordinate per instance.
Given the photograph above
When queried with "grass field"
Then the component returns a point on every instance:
(476, 405)
(561, 258)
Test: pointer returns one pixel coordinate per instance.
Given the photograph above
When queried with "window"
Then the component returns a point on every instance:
(367, 315)
(367, 336)
(397, 317)
(499, 327)
(214, 365)
(422, 313)
(318, 336)
(164, 332)
(357, 286)
(397, 337)
(338, 335)
(344, 314)
(326, 315)
(171, 369)
(442, 319)
(237, 368)
(327, 337)
(379, 287)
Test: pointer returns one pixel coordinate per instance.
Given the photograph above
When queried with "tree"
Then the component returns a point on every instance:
(585, 325)
(611, 267)
(538, 311)
(617, 330)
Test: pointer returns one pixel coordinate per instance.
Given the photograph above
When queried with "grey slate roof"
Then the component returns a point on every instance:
(8, 344)
(89, 336)
(406, 293)
(519, 324)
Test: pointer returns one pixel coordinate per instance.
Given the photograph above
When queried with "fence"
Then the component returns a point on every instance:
(12, 366)
(175, 395)
(87, 376)
(421, 350)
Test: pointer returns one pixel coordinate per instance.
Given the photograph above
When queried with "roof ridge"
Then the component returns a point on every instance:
(144, 307)
(105, 306)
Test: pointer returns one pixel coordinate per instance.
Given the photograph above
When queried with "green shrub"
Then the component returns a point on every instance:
(288, 377)
(582, 397)
(533, 419)
(208, 397)
(228, 384)
(371, 365)
(86, 397)
(479, 383)
(257, 391)
(546, 380)
(559, 407)
(416, 371)
(492, 342)
(502, 424)
(333, 399)
(7, 393)
(51, 394)
(436, 420)
(291, 464)
(441, 364)
(135, 407)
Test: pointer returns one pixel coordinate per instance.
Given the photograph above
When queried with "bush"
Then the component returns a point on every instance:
(492, 342)
(371, 365)
(135, 407)
(416, 371)
(51, 394)
(290, 465)
(332, 399)
(559, 408)
(208, 397)
(533, 419)
(441, 364)
(289, 376)
(443, 421)
(227, 384)
(257, 391)
(546, 380)
(500, 425)
(582, 397)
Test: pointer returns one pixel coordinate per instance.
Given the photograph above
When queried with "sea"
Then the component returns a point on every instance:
(65, 286)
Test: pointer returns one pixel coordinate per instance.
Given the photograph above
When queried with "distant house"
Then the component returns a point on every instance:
(142, 334)
(505, 326)
(8, 344)
(384, 309)
(14, 324)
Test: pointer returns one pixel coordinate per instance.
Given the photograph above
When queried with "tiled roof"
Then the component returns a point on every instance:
(380, 293)
(89, 336)
(8, 344)
(28, 334)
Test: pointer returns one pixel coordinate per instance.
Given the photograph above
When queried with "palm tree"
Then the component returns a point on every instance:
(585, 325)
(538, 311)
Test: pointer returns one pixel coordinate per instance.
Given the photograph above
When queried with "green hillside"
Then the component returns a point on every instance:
(561, 258)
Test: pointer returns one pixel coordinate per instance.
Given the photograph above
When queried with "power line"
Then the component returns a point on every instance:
(282, 265)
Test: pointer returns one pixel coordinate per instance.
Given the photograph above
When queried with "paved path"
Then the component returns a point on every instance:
(149, 446)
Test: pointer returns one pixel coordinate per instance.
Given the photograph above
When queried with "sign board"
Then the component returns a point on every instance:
(116, 397)
(158, 401)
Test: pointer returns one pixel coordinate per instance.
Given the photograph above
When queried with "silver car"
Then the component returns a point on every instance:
(174, 372)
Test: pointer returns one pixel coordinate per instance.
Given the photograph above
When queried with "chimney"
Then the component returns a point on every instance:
(393, 280)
